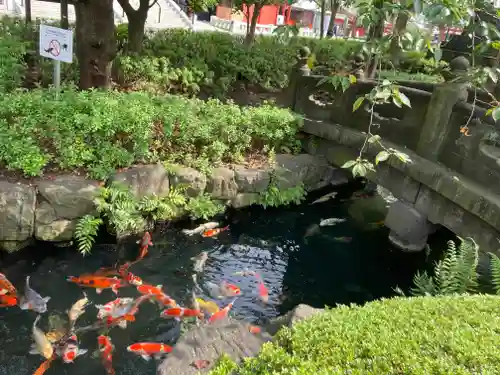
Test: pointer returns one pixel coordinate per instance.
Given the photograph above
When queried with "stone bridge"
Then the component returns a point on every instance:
(453, 179)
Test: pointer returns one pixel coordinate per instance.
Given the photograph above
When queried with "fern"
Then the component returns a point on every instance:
(163, 208)
(495, 272)
(85, 232)
(203, 207)
(456, 273)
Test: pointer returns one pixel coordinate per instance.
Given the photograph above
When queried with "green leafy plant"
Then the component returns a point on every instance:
(495, 272)
(163, 208)
(86, 231)
(102, 131)
(456, 273)
(203, 207)
(390, 336)
(273, 196)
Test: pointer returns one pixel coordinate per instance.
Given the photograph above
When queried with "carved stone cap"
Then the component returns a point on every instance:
(458, 66)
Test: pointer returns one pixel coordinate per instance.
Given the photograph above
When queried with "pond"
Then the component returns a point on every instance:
(351, 262)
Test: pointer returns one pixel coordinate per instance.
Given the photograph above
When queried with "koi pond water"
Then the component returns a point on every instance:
(299, 261)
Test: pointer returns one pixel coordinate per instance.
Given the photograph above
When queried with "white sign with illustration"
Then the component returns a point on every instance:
(56, 43)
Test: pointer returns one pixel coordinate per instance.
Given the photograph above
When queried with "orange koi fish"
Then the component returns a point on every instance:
(181, 312)
(144, 244)
(106, 348)
(6, 286)
(157, 293)
(44, 366)
(222, 313)
(8, 301)
(263, 292)
(148, 349)
(254, 329)
(97, 282)
(214, 232)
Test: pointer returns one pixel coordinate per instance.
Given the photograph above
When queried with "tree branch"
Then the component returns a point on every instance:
(127, 8)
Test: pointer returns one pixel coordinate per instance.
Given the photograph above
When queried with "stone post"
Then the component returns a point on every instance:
(409, 228)
(300, 69)
(437, 124)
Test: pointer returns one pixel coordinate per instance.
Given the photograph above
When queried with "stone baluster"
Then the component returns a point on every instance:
(437, 123)
(300, 69)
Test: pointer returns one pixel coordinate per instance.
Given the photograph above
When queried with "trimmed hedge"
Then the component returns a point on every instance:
(456, 335)
(266, 62)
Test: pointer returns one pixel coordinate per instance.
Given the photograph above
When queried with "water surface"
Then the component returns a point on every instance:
(316, 270)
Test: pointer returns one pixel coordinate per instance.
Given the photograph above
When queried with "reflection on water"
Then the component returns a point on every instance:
(317, 270)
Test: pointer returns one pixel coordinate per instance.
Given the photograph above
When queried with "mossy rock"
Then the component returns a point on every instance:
(413, 336)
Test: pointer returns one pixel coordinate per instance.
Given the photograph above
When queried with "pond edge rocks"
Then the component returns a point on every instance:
(49, 209)
(229, 337)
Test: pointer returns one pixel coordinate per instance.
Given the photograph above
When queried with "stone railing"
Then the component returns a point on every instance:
(239, 27)
(454, 177)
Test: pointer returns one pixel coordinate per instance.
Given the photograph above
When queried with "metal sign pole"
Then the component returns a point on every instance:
(57, 76)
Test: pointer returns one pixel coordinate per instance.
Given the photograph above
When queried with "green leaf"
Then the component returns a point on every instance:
(352, 79)
(496, 113)
(359, 170)
(438, 54)
(404, 99)
(492, 74)
(402, 156)
(349, 164)
(374, 138)
(381, 156)
(397, 102)
(358, 103)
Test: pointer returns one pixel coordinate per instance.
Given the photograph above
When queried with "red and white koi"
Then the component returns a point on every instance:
(144, 244)
(214, 232)
(181, 312)
(106, 348)
(222, 313)
(149, 349)
(70, 350)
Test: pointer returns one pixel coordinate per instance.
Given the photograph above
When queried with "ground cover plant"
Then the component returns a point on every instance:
(413, 336)
(100, 131)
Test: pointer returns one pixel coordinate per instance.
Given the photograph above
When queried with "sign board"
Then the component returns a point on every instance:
(280, 20)
(56, 43)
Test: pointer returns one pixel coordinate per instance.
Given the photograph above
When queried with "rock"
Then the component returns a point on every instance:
(251, 180)
(70, 196)
(17, 214)
(48, 227)
(13, 246)
(244, 200)
(222, 185)
(196, 180)
(299, 313)
(209, 342)
(313, 171)
(144, 180)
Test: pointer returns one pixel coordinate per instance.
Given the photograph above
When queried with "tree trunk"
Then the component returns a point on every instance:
(397, 32)
(376, 32)
(136, 28)
(322, 20)
(96, 42)
(334, 8)
(255, 16)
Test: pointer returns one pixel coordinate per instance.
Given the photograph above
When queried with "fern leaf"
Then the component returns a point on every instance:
(85, 232)
(495, 272)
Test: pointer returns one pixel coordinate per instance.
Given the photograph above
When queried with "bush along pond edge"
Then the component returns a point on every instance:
(71, 207)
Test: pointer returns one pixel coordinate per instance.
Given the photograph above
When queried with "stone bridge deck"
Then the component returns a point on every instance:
(453, 179)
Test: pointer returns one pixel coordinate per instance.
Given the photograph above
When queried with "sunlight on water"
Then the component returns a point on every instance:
(297, 267)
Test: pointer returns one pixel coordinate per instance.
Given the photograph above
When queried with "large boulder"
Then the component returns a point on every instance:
(251, 180)
(222, 184)
(48, 227)
(70, 196)
(208, 342)
(195, 180)
(61, 203)
(313, 171)
(299, 313)
(144, 180)
(17, 215)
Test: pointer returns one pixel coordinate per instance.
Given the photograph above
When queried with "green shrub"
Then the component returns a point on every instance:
(104, 130)
(412, 336)
(12, 51)
(267, 62)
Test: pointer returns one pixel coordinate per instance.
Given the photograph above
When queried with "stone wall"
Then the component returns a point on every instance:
(48, 209)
